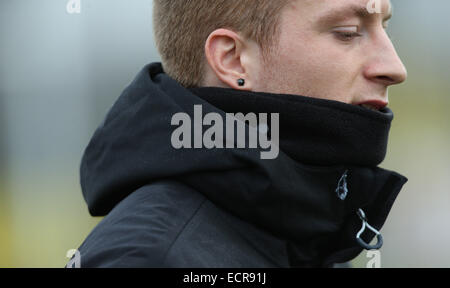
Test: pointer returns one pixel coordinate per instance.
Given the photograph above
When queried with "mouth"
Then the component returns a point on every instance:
(373, 105)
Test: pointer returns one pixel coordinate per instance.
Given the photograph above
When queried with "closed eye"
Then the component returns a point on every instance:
(347, 33)
(346, 36)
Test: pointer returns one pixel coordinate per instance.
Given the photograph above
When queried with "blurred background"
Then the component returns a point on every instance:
(60, 73)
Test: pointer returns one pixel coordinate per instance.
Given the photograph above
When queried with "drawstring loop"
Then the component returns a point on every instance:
(365, 225)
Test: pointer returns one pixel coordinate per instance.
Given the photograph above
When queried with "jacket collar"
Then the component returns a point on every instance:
(314, 131)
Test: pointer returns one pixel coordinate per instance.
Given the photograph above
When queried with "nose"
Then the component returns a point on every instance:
(385, 67)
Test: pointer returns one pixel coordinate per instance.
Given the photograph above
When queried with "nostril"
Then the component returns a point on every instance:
(385, 78)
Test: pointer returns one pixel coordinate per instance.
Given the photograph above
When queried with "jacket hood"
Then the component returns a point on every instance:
(292, 197)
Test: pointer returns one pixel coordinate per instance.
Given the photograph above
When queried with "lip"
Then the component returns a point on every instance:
(377, 104)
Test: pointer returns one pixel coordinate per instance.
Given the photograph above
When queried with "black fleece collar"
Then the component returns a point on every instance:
(314, 131)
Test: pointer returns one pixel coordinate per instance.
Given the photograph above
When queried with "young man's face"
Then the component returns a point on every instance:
(334, 50)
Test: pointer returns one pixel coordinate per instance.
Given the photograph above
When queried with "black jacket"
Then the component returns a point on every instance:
(227, 207)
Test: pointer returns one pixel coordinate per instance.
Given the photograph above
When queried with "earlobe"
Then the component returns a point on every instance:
(223, 51)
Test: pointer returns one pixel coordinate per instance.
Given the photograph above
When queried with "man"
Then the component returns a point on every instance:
(322, 66)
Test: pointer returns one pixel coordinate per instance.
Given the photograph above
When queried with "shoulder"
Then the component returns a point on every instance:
(141, 229)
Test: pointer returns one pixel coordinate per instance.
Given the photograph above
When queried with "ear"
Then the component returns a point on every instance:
(228, 57)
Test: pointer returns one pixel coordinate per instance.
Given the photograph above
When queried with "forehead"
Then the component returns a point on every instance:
(318, 9)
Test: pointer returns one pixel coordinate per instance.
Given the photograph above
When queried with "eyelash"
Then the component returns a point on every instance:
(347, 36)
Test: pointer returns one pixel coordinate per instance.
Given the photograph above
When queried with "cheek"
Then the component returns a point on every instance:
(301, 69)
(315, 69)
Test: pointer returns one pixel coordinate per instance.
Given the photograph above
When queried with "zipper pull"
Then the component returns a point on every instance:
(342, 190)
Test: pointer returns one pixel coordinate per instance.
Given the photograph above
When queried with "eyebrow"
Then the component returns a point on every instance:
(345, 12)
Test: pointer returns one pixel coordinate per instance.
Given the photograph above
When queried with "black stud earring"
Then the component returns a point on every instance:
(241, 82)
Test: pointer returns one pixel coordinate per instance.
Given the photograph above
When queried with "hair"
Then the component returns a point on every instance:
(182, 27)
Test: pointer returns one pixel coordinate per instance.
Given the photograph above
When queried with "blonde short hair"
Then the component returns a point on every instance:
(182, 27)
